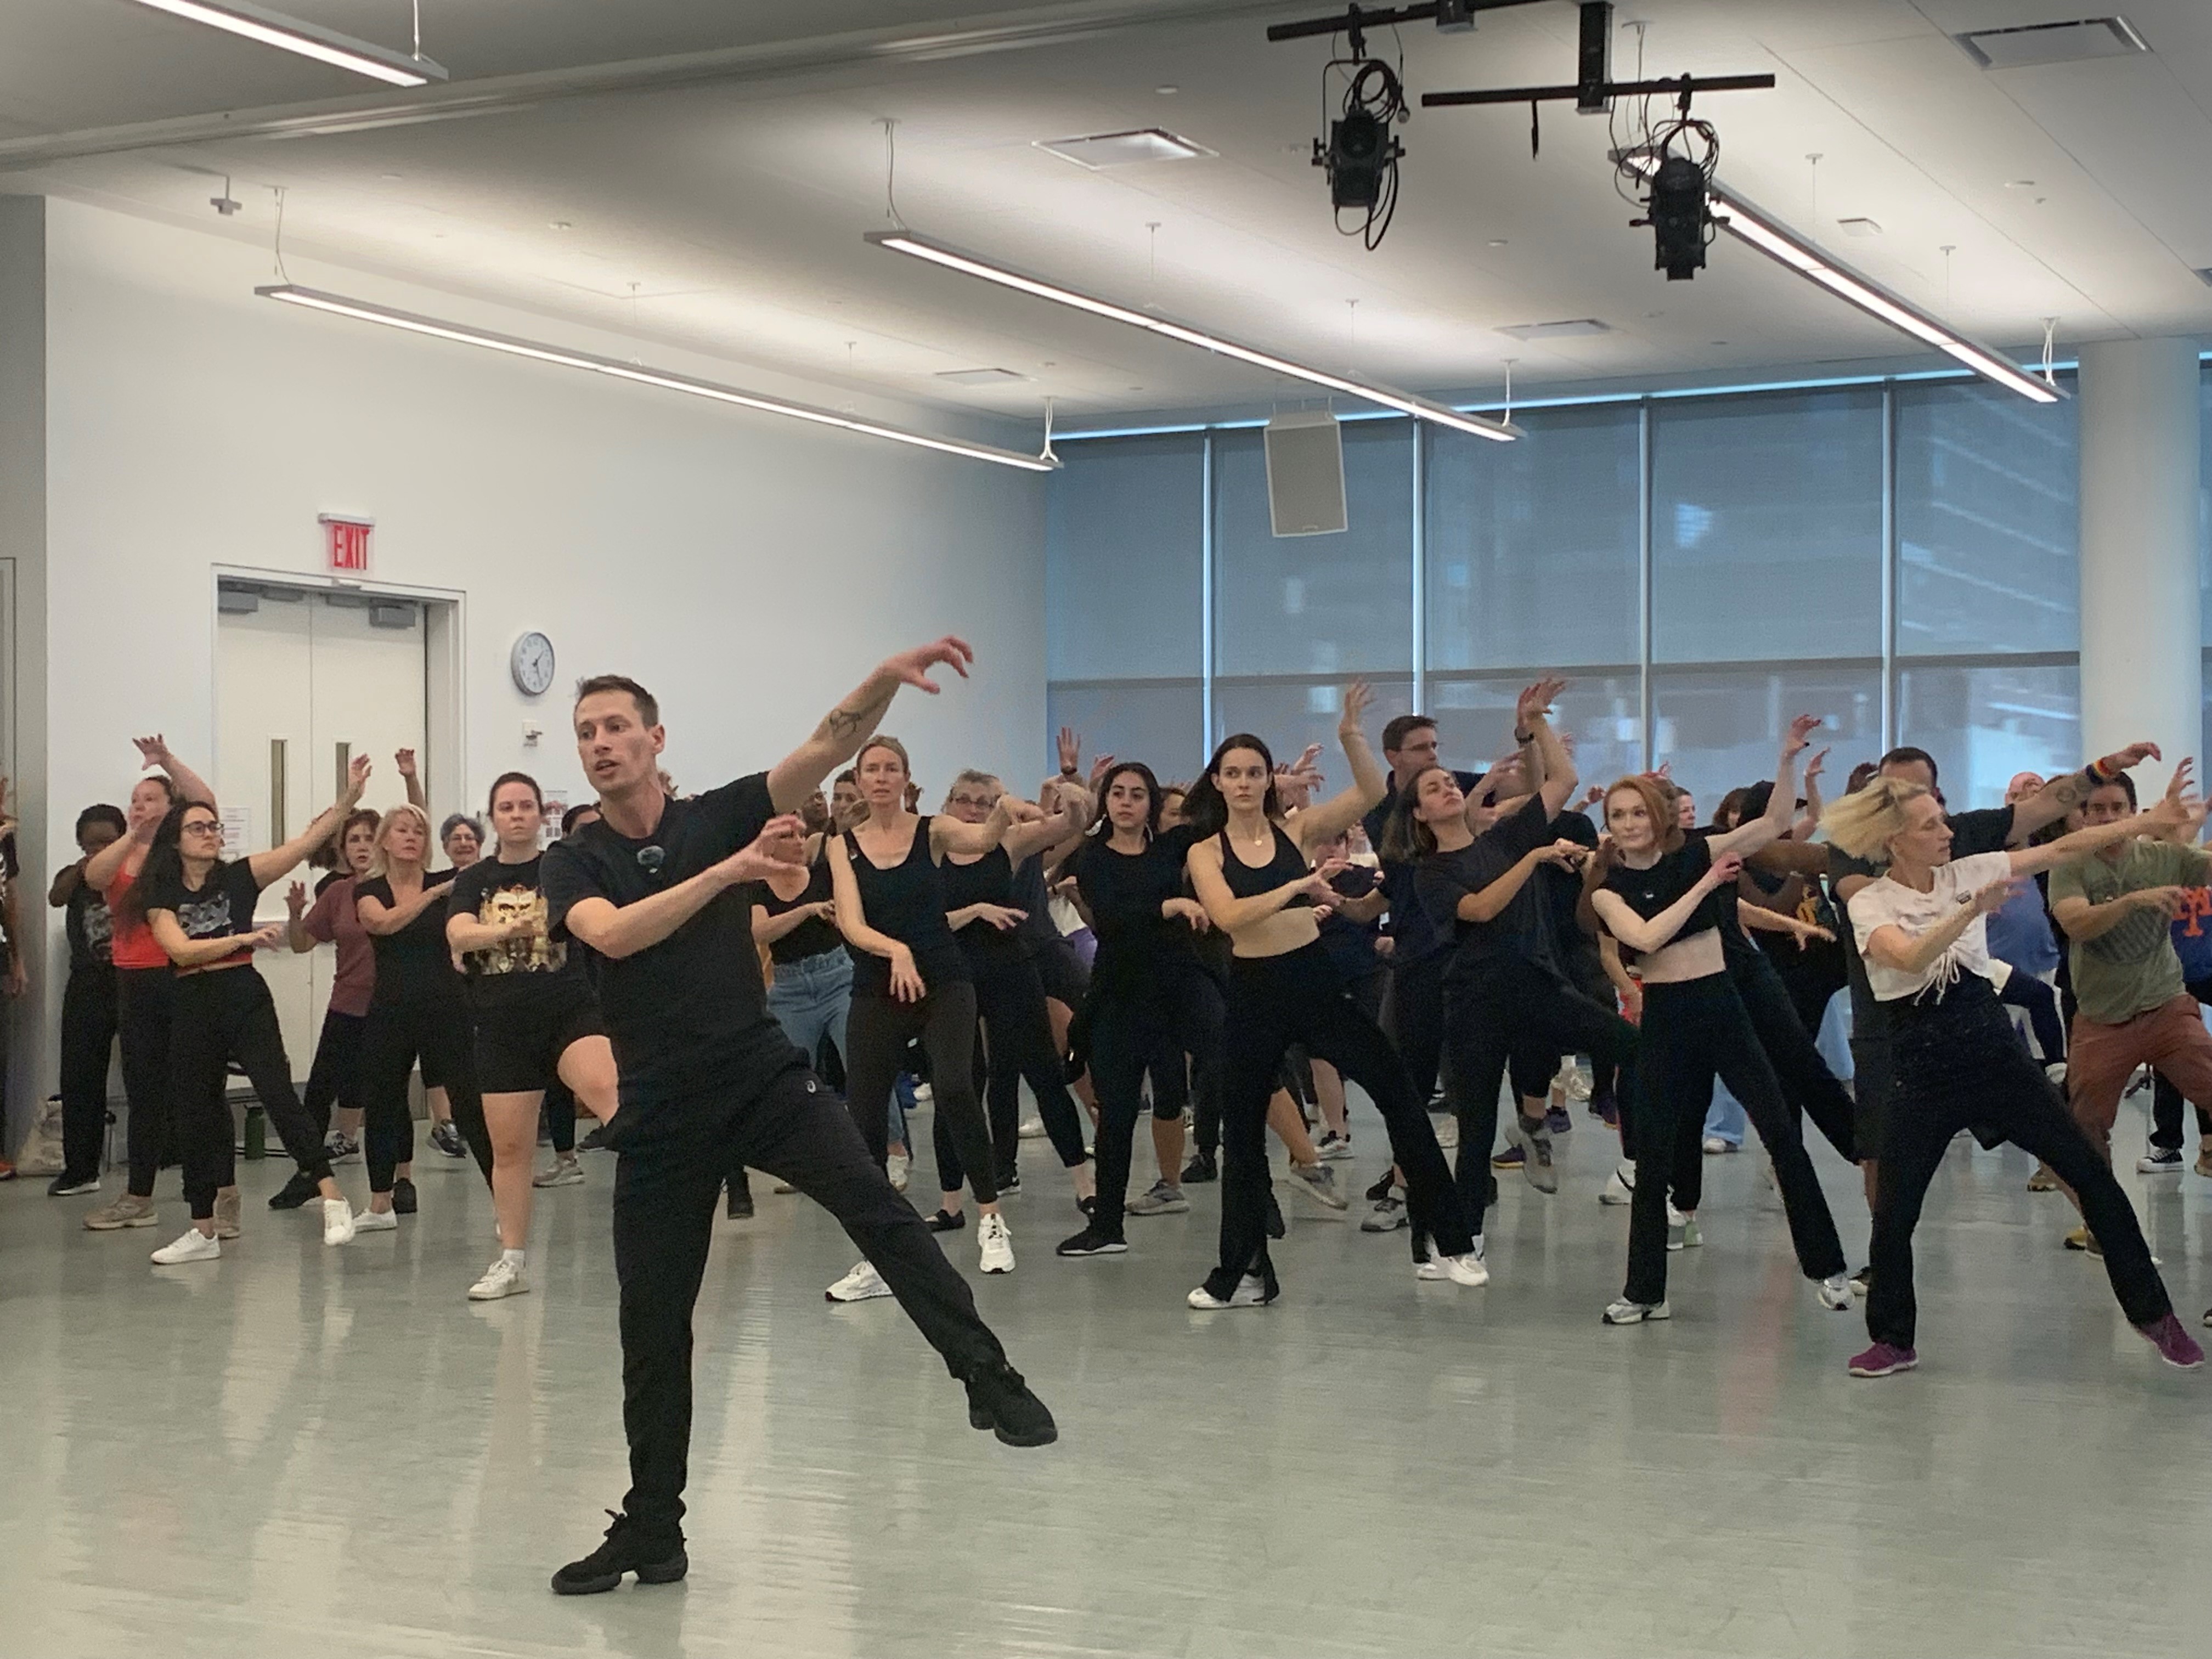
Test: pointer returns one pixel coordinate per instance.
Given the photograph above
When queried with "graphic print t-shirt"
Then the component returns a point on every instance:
(493, 893)
(222, 905)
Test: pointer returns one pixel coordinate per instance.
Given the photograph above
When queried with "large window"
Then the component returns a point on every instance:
(1898, 557)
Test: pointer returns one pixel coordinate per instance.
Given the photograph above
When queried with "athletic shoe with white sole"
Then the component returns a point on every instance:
(341, 1147)
(1625, 1312)
(1619, 1187)
(896, 1167)
(1714, 1146)
(337, 1221)
(502, 1277)
(70, 1186)
(1835, 1292)
(1318, 1182)
(995, 1244)
(1333, 1146)
(566, 1172)
(1251, 1291)
(1447, 1127)
(1531, 1135)
(1883, 1359)
(1032, 1128)
(1682, 1232)
(2160, 1160)
(1466, 1269)
(376, 1221)
(1091, 1242)
(126, 1212)
(1387, 1217)
(228, 1206)
(193, 1246)
(863, 1284)
(1159, 1199)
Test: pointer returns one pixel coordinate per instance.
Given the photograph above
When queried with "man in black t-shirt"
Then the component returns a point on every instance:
(709, 1084)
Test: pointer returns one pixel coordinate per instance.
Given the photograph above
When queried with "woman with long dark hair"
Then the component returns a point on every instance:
(1252, 874)
(199, 905)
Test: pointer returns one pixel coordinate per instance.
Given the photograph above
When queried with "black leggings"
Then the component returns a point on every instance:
(87, 1043)
(222, 1015)
(1413, 1018)
(144, 997)
(1807, 1085)
(1013, 1045)
(2165, 1098)
(1694, 1031)
(877, 1032)
(1958, 1064)
(1511, 1015)
(436, 1032)
(1299, 997)
(334, 1077)
(1130, 1038)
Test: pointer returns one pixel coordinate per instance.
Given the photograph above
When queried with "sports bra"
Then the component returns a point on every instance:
(1288, 865)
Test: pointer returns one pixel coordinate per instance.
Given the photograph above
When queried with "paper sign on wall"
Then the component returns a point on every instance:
(548, 831)
(237, 832)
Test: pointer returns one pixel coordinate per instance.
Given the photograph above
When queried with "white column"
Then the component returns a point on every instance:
(2141, 644)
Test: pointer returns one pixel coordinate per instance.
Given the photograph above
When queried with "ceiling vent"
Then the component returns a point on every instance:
(1573, 328)
(979, 376)
(2204, 274)
(2053, 42)
(1859, 226)
(1122, 150)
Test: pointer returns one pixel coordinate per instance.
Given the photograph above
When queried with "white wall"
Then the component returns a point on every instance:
(748, 569)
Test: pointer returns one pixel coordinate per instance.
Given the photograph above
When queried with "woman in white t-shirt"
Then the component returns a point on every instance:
(1921, 929)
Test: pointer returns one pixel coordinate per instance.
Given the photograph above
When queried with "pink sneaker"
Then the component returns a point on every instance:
(1883, 1359)
(2175, 1346)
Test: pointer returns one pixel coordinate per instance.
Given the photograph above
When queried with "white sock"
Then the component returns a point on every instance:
(514, 1258)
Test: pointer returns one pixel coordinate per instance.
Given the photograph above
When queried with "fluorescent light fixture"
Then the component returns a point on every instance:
(274, 29)
(339, 305)
(1421, 409)
(1785, 247)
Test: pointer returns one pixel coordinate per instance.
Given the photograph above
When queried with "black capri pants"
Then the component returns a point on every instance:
(334, 1077)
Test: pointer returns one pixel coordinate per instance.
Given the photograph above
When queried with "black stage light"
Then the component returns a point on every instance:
(1680, 225)
(1360, 148)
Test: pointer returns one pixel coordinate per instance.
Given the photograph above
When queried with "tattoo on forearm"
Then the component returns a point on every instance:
(847, 722)
(2068, 792)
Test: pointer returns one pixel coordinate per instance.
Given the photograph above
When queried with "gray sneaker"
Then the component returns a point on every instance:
(1318, 1181)
(126, 1212)
(1161, 1200)
(1534, 1141)
(1387, 1217)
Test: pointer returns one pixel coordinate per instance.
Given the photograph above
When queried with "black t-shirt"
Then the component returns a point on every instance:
(1648, 892)
(222, 905)
(1415, 934)
(1989, 830)
(91, 930)
(1138, 947)
(1351, 944)
(1562, 893)
(690, 1013)
(414, 964)
(1520, 930)
(530, 964)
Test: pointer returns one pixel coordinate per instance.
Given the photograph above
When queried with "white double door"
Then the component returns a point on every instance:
(303, 682)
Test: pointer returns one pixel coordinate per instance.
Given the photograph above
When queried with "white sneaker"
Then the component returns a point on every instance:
(1835, 1292)
(923, 1094)
(1333, 1147)
(376, 1221)
(1716, 1147)
(1625, 1312)
(1460, 1269)
(566, 1172)
(1250, 1292)
(337, 1221)
(194, 1246)
(863, 1284)
(1619, 1187)
(1032, 1128)
(501, 1278)
(994, 1243)
(1447, 1132)
(896, 1167)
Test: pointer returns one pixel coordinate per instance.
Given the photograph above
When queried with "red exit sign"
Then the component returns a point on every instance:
(346, 541)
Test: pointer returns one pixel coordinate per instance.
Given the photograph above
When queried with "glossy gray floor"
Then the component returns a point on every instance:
(302, 1450)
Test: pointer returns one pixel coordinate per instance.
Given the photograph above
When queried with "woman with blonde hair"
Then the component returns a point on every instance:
(418, 1013)
(1921, 927)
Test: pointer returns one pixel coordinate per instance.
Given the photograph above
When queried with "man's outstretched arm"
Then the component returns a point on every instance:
(854, 721)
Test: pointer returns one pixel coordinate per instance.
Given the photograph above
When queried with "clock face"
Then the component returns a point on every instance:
(532, 663)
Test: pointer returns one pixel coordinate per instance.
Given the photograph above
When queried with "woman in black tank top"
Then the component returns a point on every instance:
(910, 978)
(1014, 1029)
(1251, 873)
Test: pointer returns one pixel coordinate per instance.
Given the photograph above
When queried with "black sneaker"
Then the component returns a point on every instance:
(947, 1221)
(1011, 1185)
(72, 1185)
(447, 1139)
(595, 1141)
(626, 1550)
(296, 1192)
(1201, 1167)
(999, 1400)
(402, 1196)
(1381, 1189)
(1091, 1242)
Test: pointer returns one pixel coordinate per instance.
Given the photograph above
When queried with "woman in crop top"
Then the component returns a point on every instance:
(1665, 896)
(1922, 931)
(1014, 1030)
(910, 978)
(1251, 872)
(145, 985)
(418, 1011)
(200, 907)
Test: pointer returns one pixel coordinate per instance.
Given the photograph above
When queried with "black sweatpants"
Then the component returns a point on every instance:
(144, 997)
(1808, 1085)
(224, 1014)
(1013, 1045)
(334, 1077)
(2165, 1098)
(89, 1019)
(1413, 1018)
(1150, 1033)
(1959, 1063)
(877, 1032)
(1513, 1015)
(665, 1195)
(1695, 1031)
(434, 1032)
(1299, 997)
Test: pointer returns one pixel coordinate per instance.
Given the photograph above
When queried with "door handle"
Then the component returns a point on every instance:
(279, 834)
(345, 767)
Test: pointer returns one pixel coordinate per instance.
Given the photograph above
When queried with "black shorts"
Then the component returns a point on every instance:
(520, 1039)
(1067, 981)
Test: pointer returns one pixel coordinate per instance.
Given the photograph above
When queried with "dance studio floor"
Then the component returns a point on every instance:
(298, 1450)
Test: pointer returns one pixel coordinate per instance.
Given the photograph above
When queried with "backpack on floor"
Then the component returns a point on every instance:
(42, 1154)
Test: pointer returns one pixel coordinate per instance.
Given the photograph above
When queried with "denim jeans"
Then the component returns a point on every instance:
(811, 999)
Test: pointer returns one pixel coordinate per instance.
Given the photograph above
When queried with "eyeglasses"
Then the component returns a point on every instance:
(976, 801)
(201, 827)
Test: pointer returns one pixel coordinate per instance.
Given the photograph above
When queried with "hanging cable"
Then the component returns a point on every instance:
(277, 248)
(2050, 338)
(418, 30)
(1046, 453)
(889, 125)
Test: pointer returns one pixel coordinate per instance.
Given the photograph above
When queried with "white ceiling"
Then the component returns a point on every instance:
(731, 182)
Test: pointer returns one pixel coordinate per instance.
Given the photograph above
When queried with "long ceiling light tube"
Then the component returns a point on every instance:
(294, 34)
(1421, 409)
(339, 305)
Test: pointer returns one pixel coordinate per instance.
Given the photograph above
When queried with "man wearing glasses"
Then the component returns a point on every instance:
(710, 1085)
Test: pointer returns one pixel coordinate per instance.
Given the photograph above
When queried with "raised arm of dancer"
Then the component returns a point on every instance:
(297, 907)
(1369, 782)
(853, 721)
(1203, 862)
(267, 867)
(852, 919)
(618, 930)
(190, 786)
(948, 835)
(417, 796)
(1769, 826)
(103, 867)
(1645, 936)
(2069, 789)
(2173, 809)
(1809, 816)
(1548, 767)
(1060, 827)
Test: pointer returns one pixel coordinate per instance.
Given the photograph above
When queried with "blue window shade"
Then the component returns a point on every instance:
(1984, 723)
(1125, 532)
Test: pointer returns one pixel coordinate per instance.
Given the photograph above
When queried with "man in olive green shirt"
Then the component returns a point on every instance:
(2116, 907)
